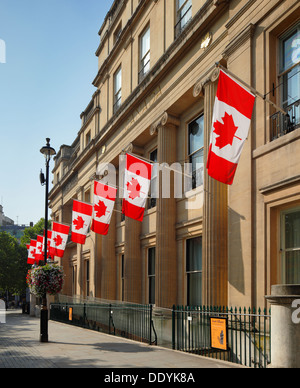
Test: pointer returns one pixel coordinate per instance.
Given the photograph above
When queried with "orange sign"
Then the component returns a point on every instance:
(70, 313)
(218, 333)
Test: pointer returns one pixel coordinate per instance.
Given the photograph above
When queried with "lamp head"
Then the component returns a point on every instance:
(48, 151)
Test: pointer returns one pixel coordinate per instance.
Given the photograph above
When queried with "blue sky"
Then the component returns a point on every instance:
(45, 83)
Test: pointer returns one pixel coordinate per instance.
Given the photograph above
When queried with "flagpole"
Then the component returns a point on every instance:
(253, 90)
(166, 167)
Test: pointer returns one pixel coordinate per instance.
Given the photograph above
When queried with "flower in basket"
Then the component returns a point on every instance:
(47, 279)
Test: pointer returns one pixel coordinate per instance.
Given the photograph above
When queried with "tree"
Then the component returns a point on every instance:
(13, 258)
(13, 265)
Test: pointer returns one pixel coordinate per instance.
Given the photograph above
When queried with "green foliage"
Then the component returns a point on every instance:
(13, 264)
(13, 258)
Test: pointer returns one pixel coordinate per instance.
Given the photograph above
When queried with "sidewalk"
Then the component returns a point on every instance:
(72, 347)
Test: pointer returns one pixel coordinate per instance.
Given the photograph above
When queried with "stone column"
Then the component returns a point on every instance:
(215, 211)
(132, 253)
(285, 326)
(109, 263)
(133, 261)
(166, 252)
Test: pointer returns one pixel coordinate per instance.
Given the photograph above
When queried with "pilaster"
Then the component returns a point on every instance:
(108, 280)
(132, 254)
(166, 253)
(215, 211)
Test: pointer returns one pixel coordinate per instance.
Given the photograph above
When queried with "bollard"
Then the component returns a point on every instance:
(285, 332)
(2, 311)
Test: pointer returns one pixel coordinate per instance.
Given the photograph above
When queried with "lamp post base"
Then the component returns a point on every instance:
(44, 326)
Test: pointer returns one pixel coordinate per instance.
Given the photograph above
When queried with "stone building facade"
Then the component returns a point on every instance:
(155, 92)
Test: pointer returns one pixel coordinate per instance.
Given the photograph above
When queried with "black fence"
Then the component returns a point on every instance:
(124, 320)
(244, 339)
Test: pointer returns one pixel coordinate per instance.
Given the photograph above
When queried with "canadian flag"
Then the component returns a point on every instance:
(81, 219)
(104, 202)
(230, 127)
(60, 233)
(136, 187)
(49, 236)
(31, 252)
(39, 249)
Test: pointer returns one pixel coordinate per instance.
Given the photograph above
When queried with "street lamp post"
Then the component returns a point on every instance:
(48, 152)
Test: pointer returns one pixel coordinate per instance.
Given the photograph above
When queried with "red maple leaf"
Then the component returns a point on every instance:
(100, 209)
(225, 131)
(79, 223)
(58, 240)
(134, 188)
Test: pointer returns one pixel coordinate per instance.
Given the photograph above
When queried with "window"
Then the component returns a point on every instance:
(290, 246)
(194, 271)
(289, 77)
(88, 138)
(183, 15)
(87, 196)
(151, 275)
(196, 150)
(87, 274)
(117, 89)
(144, 54)
(117, 32)
(74, 280)
(152, 200)
(289, 84)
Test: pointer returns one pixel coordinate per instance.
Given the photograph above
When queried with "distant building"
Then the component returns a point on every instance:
(5, 221)
(8, 225)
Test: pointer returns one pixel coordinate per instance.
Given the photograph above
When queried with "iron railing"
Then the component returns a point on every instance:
(126, 320)
(248, 334)
(282, 124)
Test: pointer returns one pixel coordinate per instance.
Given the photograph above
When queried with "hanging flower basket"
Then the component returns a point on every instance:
(48, 279)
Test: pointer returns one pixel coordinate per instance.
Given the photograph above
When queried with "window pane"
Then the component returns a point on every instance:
(151, 275)
(151, 261)
(154, 181)
(195, 289)
(290, 55)
(194, 254)
(292, 267)
(292, 230)
(197, 169)
(145, 43)
(184, 11)
(196, 134)
(291, 87)
(152, 290)
(118, 81)
(291, 50)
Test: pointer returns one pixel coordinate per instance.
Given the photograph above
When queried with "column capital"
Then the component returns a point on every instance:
(165, 120)
(199, 88)
(132, 148)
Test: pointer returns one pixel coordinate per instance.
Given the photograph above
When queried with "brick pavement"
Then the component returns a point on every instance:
(73, 347)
